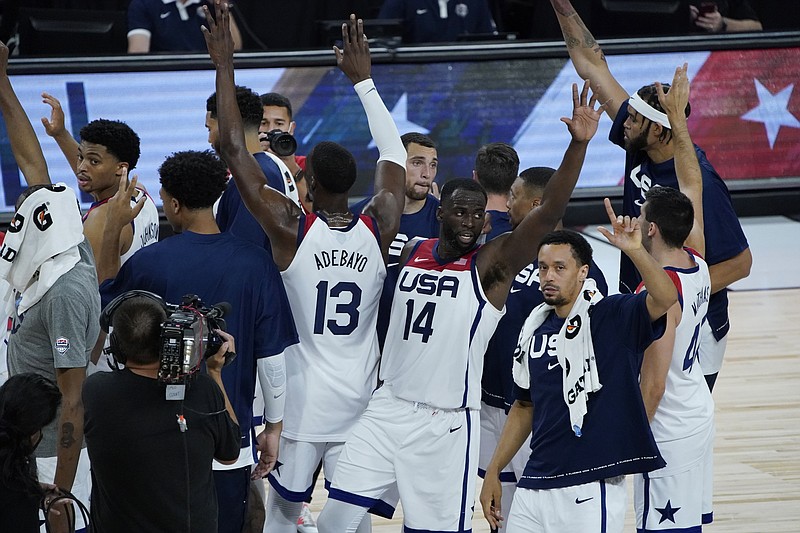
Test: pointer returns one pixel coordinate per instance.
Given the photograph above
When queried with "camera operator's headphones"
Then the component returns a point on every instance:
(107, 315)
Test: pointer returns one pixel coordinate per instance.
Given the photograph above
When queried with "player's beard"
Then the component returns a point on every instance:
(557, 300)
(454, 243)
(413, 194)
(637, 143)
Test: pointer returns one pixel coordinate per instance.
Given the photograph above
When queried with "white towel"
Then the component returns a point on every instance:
(40, 246)
(574, 351)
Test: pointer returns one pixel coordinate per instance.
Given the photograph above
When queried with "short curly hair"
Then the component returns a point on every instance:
(334, 167)
(195, 178)
(118, 138)
(249, 104)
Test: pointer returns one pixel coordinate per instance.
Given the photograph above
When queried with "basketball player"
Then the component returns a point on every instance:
(496, 169)
(106, 148)
(649, 162)
(332, 264)
(576, 375)
(419, 214)
(418, 439)
(497, 384)
(231, 214)
(677, 400)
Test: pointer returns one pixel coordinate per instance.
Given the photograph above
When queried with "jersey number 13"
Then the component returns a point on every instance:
(347, 296)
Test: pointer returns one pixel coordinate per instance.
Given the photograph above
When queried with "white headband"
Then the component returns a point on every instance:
(648, 111)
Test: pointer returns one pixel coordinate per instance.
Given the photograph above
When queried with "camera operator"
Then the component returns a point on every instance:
(151, 456)
(218, 267)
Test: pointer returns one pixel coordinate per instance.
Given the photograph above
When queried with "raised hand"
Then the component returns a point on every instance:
(674, 101)
(55, 126)
(217, 33)
(627, 235)
(585, 118)
(119, 211)
(354, 59)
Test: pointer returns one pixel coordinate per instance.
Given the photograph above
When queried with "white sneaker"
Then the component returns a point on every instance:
(306, 523)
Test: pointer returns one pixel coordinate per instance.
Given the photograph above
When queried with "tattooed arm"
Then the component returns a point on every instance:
(70, 425)
(69, 439)
(588, 58)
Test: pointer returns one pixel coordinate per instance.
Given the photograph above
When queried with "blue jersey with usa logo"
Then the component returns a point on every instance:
(232, 215)
(497, 384)
(723, 233)
(616, 437)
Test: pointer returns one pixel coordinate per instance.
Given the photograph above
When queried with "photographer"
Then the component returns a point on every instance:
(151, 456)
(279, 117)
(218, 267)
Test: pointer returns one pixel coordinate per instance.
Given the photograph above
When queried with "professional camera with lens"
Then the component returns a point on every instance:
(280, 142)
(188, 337)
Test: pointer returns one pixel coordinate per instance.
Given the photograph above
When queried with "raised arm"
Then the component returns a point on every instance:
(588, 58)
(627, 236)
(118, 215)
(277, 214)
(390, 173)
(513, 251)
(690, 179)
(56, 129)
(24, 144)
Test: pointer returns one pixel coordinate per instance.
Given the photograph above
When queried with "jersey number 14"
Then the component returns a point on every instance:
(421, 324)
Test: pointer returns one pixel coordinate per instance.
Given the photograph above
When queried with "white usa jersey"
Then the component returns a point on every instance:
(333, 283)
(439, 327)
(289, 185)
(686, 408)
(145, 226)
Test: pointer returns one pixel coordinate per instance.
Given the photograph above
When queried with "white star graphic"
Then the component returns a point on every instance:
(400, 116)
(772, 111)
